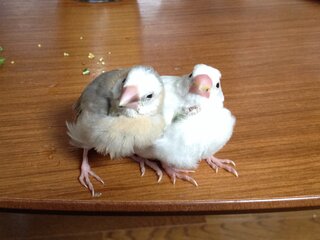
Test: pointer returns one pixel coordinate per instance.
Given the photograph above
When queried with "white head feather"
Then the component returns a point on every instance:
(148, 91)
(216, 98)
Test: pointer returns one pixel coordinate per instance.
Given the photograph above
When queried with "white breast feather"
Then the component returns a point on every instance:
(188, 141)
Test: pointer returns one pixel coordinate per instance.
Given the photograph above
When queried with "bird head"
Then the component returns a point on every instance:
(142, 91)
(205, 82)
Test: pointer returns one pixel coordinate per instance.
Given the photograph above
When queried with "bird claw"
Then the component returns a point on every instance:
(151, 164)
(142, 168)
(85, 179)
(217, 163)
(179, 173)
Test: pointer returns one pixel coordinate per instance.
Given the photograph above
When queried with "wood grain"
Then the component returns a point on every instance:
(76, 226)
(268, 53)
(255, 226)
(281, 225)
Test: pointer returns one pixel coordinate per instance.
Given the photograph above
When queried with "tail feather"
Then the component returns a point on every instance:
(76, 135)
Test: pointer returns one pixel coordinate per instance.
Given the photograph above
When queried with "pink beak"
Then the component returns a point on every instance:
(201, 85)
(129, 97)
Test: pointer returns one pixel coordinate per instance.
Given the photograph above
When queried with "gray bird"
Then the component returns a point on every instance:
(117, 112)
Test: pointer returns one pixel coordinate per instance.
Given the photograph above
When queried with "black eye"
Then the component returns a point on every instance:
(149, 96)
(124, 80)
(190, 76)
(217, 85)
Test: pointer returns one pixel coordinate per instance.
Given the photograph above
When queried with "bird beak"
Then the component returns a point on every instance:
(129, 97)
(201, 85)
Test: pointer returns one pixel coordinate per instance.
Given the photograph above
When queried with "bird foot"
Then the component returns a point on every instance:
(84, 177)
(179, 173)
(217, 163)
(142, 162)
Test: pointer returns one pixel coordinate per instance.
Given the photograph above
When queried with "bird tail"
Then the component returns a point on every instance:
(76, 135)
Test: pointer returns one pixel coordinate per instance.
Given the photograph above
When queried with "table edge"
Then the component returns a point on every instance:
(95, 205)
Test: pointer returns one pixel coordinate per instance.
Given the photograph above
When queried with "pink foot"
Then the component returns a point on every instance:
(149, 163)
(217, 163)
(86, 172)
(179, 173)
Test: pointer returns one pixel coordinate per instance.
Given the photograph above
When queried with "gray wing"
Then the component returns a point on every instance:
(98, 96)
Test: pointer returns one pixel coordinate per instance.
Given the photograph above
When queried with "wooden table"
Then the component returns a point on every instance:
(267, 51)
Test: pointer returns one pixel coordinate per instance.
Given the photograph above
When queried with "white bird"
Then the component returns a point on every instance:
(119, 111)
(200, 129)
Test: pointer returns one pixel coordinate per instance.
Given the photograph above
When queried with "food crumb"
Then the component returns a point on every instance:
(103, 63)
(101, 59)
(81, 38)
(2, 60)
(91, 55)
(39, 45)
(109, 53)
(66, 54)
(1, 49)
(12, 62)
(97, 194)
(85, 71)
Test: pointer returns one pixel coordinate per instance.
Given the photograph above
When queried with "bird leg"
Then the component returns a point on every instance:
(86, 172)
(149, 163)
(175, 173)
(217, 163)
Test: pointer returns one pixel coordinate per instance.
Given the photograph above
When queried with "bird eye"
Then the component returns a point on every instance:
(190, 76)
(123, 81)
(217, 85)
(149, 96)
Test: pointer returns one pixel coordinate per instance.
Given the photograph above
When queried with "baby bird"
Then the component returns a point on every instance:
(199, 130)
(117, 112)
